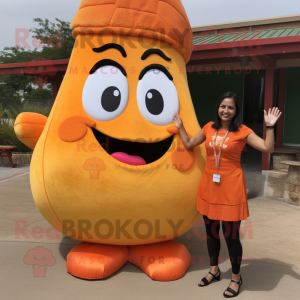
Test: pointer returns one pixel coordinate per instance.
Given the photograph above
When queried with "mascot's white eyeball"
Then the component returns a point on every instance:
(105, 94)
(157, 98)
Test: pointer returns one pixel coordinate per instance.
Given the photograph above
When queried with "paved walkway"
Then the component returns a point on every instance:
(7, 172)
(270, 270)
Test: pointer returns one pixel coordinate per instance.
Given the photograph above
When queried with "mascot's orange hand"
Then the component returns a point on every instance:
(29, 127)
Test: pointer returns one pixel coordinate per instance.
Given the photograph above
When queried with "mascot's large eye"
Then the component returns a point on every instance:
(105, 94)
(157, 98)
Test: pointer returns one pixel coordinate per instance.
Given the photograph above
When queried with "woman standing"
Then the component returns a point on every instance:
(222, 194)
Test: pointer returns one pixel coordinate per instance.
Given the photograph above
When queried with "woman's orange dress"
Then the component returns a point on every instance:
(227, 200)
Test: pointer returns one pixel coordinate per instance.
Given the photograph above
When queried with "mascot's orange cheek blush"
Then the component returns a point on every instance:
(129, 159)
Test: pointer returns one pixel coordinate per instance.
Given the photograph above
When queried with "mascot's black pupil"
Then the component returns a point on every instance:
(154, 102)
(111, 99)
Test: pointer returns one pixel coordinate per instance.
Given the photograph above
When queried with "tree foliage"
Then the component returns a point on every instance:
(56, 38)
(39, 93)
(2, 112)
(16, 86)
(57, 41)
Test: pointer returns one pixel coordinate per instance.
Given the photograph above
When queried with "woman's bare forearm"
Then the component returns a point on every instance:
(269, 141)
(260, 144)
(185, 138)
(188, 143)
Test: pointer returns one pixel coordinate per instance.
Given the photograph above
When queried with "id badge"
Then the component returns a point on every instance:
(216, 178)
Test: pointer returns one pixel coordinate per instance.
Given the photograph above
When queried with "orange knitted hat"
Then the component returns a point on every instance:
(157, 19)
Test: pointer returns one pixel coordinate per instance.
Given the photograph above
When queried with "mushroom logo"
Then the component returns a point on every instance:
(41, 71)
(94, 165)
(39, 258)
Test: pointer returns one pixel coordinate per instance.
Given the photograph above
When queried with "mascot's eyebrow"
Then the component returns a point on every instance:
(107, 62)
(156, 67)
(111, 46)
(155, 51)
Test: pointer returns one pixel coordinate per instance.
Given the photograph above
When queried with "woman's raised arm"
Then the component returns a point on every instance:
(188, 143)
(266, 145)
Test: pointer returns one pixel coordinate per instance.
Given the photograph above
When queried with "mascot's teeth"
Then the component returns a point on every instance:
(129, 159)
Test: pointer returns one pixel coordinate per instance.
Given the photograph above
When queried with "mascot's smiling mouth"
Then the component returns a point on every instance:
(133, 153)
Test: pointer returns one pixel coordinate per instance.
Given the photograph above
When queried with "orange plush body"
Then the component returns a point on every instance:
(109, 166)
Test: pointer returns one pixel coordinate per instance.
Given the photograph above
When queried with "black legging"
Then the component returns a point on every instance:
(232, 237)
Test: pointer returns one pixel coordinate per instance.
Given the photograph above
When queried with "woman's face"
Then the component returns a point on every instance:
(227, 109)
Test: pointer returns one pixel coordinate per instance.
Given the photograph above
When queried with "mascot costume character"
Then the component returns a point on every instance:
(108, 164)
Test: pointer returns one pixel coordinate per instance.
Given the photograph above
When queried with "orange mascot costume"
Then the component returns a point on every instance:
(108, 164)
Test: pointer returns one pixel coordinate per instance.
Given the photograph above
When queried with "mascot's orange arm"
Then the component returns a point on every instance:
(29, 127)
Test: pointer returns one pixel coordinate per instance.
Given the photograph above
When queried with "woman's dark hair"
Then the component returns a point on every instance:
(236, 120)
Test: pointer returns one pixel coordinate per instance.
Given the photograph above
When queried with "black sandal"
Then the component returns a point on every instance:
(233, 292)
(206, 282)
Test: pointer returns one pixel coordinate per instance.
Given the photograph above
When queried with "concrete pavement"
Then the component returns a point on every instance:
(7, 172)
(270, 270)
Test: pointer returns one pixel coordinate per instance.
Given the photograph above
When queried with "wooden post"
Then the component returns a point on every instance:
(269, 92)
(55, 89)
(281, 101)
(56, 82)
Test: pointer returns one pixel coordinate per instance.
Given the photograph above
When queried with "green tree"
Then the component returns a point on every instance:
(15, 86)
(56, 38)
(39, 93)
(2, 112)
(57, 41)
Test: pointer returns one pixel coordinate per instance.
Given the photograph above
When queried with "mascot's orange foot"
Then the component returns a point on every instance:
(96, 261)
(161, 261)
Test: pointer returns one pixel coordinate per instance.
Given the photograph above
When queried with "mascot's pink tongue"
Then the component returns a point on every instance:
(129, 159)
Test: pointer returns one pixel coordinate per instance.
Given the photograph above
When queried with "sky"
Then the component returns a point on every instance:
(16, 14)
